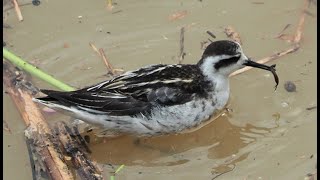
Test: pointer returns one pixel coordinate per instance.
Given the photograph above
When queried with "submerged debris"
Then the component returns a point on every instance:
(290, 86)
(219, 174)
(232, 34)
(281, 32)
(256, 2)
(116, 12)
(182, 53)
(36, 2)
(87, 139)
(110, 68)
(109, 5)
(276, 116)
(211, 34)
(6, 126)
(310, 108)
(204, 44)
(178, 15)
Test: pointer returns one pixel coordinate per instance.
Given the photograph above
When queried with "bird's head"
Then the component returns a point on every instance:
(224, 57)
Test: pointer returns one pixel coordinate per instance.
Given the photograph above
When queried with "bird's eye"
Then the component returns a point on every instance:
(227, 62)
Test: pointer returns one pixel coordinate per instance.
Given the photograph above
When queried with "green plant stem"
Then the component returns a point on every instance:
(117, 171)
(35, 71)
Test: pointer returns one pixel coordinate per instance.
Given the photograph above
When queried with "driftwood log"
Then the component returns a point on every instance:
(77, 151)
(47, 149)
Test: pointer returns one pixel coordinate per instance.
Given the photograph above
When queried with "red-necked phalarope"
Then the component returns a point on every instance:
(157, 99)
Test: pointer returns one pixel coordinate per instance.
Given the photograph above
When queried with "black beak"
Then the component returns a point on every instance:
(271, 68)
(251, 63)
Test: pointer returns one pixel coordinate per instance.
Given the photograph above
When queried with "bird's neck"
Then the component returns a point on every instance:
(219, 80)
(220, 83)
(220, 89)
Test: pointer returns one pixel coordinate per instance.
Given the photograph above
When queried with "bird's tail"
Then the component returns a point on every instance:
(52, 102)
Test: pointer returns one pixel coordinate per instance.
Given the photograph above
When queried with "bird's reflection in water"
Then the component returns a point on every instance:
(217, 140)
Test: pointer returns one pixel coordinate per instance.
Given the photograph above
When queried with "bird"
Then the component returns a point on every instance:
(157, 99)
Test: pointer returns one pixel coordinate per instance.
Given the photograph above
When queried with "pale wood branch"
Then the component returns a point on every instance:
(17, 8)
(38, 129)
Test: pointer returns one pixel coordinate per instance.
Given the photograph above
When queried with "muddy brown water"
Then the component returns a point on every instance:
(267, 135)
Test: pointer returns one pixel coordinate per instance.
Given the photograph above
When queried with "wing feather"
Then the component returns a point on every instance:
(169, 96)
(124, 105)
(136, 92)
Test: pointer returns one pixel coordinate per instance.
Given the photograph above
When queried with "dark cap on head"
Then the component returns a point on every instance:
(223, 47)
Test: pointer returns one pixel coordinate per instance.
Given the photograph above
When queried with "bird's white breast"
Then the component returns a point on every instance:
(191, 114)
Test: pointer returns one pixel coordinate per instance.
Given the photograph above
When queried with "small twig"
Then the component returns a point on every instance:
(104, 57)
(178, 15)
(310, 108)
(6, 126)
(211, 34)
(311, 176)
(310, 13)
(298, 34)
(18, 11)
(232, 34)
(234, 166)
(296, 38)
(109, 5)
(286, 37)
(101, 54)
(6, 26)
(182, 53)
(94, 48)
(20, 5)
(203, 44)
(281, 32)
(116, 12)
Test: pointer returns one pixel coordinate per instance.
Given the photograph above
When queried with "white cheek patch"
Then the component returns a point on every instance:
(208, 63)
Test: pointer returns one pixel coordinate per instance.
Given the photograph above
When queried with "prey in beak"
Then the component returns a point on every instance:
(271, 68)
